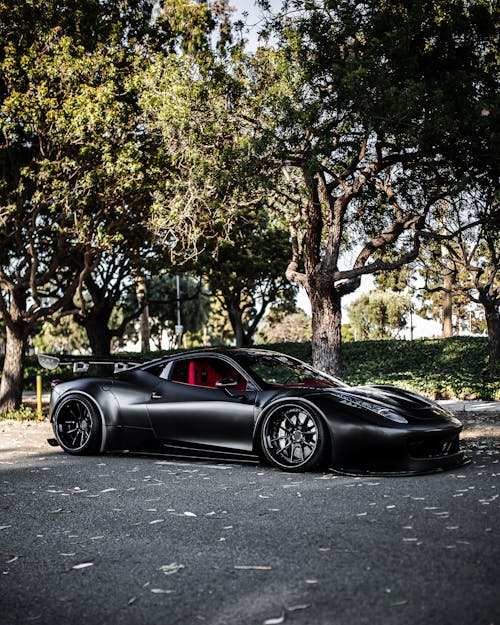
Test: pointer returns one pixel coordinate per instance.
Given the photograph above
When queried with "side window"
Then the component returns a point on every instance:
(158, 370)
(205, 372)
(180, 372)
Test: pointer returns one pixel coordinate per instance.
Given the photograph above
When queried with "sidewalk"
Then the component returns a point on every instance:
(472, 407)
(31, 396)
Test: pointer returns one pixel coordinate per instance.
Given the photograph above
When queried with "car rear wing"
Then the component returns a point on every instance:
(81, 364)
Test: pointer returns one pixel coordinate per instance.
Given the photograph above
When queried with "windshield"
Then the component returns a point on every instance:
(280, 370)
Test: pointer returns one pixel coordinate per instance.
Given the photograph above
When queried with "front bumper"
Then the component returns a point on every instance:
(372, 450)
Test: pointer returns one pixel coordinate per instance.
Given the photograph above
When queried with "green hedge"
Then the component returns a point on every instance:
(438, 368)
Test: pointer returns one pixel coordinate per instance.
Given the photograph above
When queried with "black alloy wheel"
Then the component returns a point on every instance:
(76, 425)
(293, 437)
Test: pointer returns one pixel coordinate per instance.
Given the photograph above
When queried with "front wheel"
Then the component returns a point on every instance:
(293, 437)
(76, 425)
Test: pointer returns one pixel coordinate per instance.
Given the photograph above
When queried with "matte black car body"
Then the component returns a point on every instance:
(214, 402)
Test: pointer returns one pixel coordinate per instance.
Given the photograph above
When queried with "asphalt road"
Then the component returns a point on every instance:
(144, 540)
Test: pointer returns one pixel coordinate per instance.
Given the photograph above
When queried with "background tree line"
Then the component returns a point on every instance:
(141, 139)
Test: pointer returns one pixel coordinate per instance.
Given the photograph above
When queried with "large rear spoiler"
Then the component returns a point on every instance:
(81, 364)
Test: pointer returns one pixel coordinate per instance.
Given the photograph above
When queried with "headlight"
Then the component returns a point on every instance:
(357, 402)
(393, 416)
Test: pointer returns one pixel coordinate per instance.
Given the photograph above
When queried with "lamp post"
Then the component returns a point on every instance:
(179, 328)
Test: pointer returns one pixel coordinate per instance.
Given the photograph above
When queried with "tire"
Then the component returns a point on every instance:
(293, 437)
(77, 425)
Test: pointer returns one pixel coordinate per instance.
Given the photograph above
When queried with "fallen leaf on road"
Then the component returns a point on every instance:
(252, 567)
(302, 606)
(83, 565)
(170, 569)
(275, 621)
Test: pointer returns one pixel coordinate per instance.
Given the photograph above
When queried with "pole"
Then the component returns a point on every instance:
(39, 406)
(179, 330)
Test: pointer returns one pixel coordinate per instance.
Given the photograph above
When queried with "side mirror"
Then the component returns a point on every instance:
(228, 383)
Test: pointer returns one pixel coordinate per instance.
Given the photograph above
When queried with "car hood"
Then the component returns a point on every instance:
(408, 404)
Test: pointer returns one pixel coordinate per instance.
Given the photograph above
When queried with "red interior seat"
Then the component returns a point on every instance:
(203, 373)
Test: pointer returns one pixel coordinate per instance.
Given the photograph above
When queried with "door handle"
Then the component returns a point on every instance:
(156, 396)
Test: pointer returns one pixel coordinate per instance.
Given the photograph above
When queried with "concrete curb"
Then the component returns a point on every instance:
(472, 407)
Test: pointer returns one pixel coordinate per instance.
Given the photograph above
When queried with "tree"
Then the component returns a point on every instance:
(378, 315)
(247, 273)
(213, 216)
(69, 161)
(102, 292)
(397, 280)
(193, 305)
(442, 296)
(64, 337)
(218, 330)
(188, 106)
(377, 109)
(292, 326)
(163, 305)
(473, 256)
(77, 167)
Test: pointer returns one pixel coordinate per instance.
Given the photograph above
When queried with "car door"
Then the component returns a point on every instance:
(187, 408)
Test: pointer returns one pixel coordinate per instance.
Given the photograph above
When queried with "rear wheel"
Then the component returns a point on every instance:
(77, 425)
(293, 437)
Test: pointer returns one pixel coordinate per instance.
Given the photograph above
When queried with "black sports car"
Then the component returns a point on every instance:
(251, 403)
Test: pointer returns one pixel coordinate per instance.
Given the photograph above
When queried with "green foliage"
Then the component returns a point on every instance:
(162, 303)
(378, 314)
(293, 327)
(78, 168)
(66, 336)
(188, 107)
(247, 273)
(396, 280)
(24, 413)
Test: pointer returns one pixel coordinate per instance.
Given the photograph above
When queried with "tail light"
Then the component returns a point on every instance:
(54, 383)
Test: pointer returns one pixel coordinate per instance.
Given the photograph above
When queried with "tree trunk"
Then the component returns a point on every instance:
(326, 331)
(234, 314)
(144, 325)
(145, 330)
(11, 385)
(447, 308)
(98, 332)
(99, 339)
(447, 303)
(242, 337)
(493, 325)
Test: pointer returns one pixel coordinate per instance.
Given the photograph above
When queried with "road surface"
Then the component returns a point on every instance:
(148, 540)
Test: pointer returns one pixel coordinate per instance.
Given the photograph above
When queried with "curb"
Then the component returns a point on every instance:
(471, 407)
